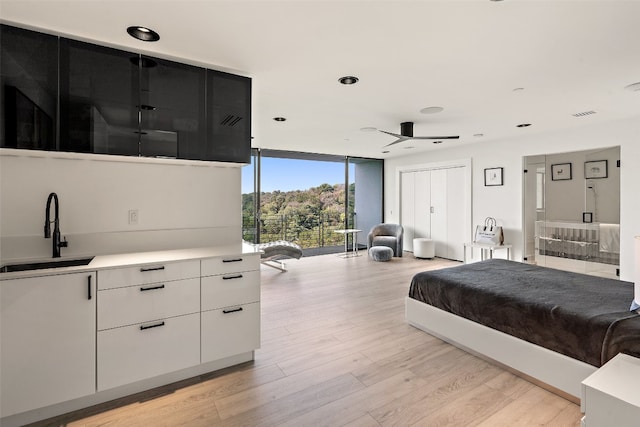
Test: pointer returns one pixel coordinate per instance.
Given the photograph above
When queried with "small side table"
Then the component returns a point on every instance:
(610, 395)
(485, 249)
(354, 244)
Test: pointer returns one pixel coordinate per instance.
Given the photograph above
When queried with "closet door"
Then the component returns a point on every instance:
(439, 219)
(456, 218)
(422, 204)
(407, 208)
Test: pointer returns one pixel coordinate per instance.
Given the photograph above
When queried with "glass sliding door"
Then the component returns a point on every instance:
(304, 198)
(251, 199)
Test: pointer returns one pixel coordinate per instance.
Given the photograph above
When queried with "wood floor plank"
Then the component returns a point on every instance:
(358, 404)
(260, 395)
(336, 350)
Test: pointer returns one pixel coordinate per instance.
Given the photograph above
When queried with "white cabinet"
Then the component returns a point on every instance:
(143, 303)
(132, 353)
(230, 319)
(150, 273)
(610, 395)
(229, 331)
(48, 340)
(435, 204)
(148, 321)
(76, 339)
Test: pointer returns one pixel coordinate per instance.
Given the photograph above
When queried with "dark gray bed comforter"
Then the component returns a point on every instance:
(584, 317)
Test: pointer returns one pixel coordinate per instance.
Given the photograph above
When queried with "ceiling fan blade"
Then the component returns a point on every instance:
(393, 134)
(397, 141)
(435, 137)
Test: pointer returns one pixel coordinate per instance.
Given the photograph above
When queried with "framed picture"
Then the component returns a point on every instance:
(561, 171)
(595, 169)
(492, 176)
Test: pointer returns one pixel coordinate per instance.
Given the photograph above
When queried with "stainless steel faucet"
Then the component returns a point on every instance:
(56, 243)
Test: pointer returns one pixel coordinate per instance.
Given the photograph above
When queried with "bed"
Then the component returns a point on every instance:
(273, 253)
(554, 326)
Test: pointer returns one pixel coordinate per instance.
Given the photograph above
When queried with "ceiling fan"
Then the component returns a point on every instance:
(406, 133)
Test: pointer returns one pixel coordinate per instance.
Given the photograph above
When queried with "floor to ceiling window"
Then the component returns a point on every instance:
(304, 198)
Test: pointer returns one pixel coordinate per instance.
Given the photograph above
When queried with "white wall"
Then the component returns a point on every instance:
(180, 203)
(505, 202)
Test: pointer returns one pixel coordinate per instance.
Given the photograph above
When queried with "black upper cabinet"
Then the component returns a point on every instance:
(111, 101)
(99, 95)
(28, 89)
(228, 118)
(172, 109)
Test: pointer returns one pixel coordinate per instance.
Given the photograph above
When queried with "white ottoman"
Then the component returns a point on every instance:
(424, 248)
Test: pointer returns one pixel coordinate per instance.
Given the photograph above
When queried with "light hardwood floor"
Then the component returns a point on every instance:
(336, 351)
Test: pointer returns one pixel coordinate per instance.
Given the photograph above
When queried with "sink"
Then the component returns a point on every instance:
(40, 265)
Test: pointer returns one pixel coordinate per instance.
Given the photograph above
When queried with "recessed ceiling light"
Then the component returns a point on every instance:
(633, 87)
(478, 135)
(431, 110)
(437, 142)
(143, 33)
(279, 119)
(524, 125)
(385, 152)
(146, 107)
(348, 80)
(518, 89)
(409, 147)
(368, 129)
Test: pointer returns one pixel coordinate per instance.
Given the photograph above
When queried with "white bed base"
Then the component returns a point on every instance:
(554, 371)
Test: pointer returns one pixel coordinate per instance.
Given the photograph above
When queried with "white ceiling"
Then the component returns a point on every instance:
(465, 56)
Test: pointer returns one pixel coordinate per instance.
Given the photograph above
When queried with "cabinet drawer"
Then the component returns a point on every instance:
(230, 289)
(144, 303)
(136, 352)
(230, 331)
(149, 273)
(230, 264)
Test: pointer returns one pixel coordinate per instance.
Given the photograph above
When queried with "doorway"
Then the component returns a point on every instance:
(571, 211)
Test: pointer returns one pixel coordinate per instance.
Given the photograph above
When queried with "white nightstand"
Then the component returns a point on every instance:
(611, 395)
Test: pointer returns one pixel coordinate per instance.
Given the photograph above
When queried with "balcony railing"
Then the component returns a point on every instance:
(306, 231)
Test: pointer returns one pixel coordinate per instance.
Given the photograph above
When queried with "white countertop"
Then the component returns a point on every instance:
(101, 262)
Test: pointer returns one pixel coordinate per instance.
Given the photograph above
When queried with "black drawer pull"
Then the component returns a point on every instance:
(143, 270)
(89, 287)
(157, 325)
(237, 276)
(232, 260)
(151, 288)
(235, 310)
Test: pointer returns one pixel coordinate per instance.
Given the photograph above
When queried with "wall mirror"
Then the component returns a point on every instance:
(573, 223)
